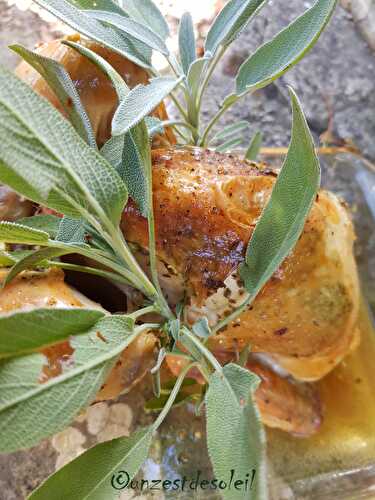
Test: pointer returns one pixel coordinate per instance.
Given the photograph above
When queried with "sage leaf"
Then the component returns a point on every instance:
(235, 435)
(54, 403)
(229, 145)
(147, 13)
(109, 37)
(277, 56)
(283, 218)
(254, 147)
(27, 331)
(194, 76)
(186, 42)
(107, 5)
(71, 231)
(99, 473)
(140, 101)
(230, 22)
(124, 154)
(43, 158)
(47, 223)
(230, 130)
(10, 232)
(62, 85)
(202, 329)
(34, 259)
(130, 27)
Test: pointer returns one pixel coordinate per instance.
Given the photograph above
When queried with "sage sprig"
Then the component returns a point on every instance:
(57, 165)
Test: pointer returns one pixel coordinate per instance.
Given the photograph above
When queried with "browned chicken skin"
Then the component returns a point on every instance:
(95, 89)
(206, 207)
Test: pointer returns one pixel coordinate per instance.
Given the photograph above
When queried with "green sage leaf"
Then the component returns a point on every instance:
(10, 232)
(230, 130)
(107, 5)
(140, 101)
(130, 27)
(235, 435)
(27, 331)
(194, 76)
(186, 42)
(71, 231)
(36, 162)
(254, 147)
(32, 260)
(229, 145)
(47, 223)
(98, 474)
(62, 85)
(283, 219)
(55, 403)
(202, 329)
(147, 13)
(276, 57)
(109, 37)
(230, 22)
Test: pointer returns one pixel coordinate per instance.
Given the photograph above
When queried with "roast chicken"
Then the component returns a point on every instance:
(302, 324)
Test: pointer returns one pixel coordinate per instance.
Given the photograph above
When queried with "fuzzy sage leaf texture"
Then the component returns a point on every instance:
(44, 159)
(100, 472)
(109, 37)
(235, 435)
(131, 27)
(146, 12)
(283, 219)
(62, 85)
(140, 101)
(11, 232)
(27, 331)
(54, 403)
(280, 54)
(230, 22)
(186, 42)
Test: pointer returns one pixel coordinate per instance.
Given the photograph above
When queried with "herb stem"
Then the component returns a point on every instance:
(141, 312)
(181, 123)
(202, 348)
(161, 300)
(179, 106)
(172, 397)
(209, 73)
(213, 122)
(239, 310)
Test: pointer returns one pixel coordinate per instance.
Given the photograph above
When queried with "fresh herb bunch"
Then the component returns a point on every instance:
(57, 165)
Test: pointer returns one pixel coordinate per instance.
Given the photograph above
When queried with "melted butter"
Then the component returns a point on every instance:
(346, 439)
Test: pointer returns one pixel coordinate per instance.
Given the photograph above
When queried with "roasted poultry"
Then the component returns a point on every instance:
(206, 207)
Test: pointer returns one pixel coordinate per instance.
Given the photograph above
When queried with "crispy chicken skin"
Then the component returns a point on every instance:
(206, 207)
(95, 89)
(32, 290)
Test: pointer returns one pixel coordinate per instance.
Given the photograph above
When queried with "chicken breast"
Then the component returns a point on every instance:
(95, 89)
(206, 207)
